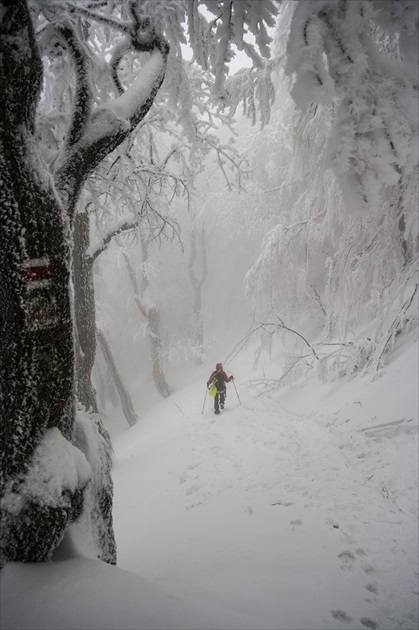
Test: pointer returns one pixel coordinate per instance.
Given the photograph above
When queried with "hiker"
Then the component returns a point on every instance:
(220, 378)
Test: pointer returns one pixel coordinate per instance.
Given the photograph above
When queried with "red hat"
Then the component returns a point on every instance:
(218, 366)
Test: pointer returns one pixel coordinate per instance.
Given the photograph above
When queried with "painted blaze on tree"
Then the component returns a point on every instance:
(40, 305)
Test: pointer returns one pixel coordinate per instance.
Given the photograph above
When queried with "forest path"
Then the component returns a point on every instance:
(258, 510)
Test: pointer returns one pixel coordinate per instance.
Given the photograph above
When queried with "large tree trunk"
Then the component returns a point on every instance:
(36, 334)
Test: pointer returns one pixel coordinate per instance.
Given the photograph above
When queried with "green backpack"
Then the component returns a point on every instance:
(213, 389)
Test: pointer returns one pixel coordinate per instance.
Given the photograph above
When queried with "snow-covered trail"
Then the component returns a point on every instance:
(295, 510)
(269, 511)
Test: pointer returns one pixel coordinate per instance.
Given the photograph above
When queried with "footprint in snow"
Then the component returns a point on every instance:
(341, 615)
(296, 523)
(369, 623)
(372, 588)
(192, 489)
(347, 558)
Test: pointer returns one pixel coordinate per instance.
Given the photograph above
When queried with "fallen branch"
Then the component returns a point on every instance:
(394, 328)
(295, 332)
(367, 480)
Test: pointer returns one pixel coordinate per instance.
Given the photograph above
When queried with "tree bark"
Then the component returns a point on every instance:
(84, 311)
(36, 332)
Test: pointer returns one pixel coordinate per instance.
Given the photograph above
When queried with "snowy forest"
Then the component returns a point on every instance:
(185, 182)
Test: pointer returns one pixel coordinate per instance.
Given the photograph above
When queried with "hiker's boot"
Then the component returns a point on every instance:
(217, 411)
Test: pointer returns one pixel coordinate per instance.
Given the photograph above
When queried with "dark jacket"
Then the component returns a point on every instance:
(221, 379)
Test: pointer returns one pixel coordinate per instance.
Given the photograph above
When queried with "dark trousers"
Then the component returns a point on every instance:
(219, 399)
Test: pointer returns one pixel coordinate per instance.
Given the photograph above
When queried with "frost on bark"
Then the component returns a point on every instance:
(37, 209)
(84, 310)
(95, 523)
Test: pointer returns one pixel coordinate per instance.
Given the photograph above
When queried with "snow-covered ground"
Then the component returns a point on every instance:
(293, 509)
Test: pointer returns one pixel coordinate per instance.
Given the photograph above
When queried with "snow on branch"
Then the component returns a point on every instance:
(122, 227)
(95, 131)
(335, 57)
(230, 23)
(124, 113)
(253, 89)
(82, 103)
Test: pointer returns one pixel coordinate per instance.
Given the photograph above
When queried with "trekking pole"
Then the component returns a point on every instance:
(205, 400)
(234, 383)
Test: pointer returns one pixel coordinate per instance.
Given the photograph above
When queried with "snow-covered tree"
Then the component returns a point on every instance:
(340, 255)
(39, 206)
(101, 107)
(138, 192)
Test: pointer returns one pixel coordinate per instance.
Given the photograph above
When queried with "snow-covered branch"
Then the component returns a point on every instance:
(95, 250)
(82, 102)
